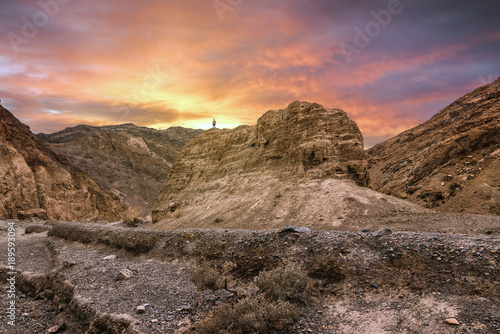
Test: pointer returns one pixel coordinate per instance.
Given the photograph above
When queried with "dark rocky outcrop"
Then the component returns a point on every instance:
(36, 182)
(451, 162)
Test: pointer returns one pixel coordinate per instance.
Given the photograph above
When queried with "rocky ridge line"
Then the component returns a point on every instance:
(450, 162)
(128, 160)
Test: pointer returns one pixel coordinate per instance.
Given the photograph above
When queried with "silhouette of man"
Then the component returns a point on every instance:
(213, 124)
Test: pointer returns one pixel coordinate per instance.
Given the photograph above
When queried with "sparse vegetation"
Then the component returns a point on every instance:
(130, 223)
(207, 278)
(270, 309)
(283, 283)
(253, 314)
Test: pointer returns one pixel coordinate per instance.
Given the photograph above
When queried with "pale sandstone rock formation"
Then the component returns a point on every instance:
(451, 162)
(35, 182)
(303, 165)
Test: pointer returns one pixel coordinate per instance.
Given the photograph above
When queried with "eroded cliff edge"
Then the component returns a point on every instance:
(35, 182)
(304, 164)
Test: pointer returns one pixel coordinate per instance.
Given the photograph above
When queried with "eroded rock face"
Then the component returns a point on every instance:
(451, 162)
(128, 160)
(34, 181)
(302, 165)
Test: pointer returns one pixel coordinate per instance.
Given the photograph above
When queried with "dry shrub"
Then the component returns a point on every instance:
(130, 223)
(283, 283)
(207, 278)
(251, 315)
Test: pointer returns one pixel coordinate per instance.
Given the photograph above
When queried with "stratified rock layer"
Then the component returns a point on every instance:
(451, 162)
(35, 182)
(128, 160)
(303, 164)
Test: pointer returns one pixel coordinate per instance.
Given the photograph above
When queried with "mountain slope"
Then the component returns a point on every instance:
(36, 181)
(128, 160)
(301, 165)
(451, 162)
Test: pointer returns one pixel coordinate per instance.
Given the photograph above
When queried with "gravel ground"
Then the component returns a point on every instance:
(361, 282)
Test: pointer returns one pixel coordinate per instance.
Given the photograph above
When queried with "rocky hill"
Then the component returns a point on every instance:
(451, 162)
(301, 165)
(128, 160)
(34, 181)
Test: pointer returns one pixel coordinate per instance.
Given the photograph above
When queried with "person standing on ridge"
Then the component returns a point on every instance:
(213, 124)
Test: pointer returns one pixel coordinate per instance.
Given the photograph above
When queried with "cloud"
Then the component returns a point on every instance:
(161, 63)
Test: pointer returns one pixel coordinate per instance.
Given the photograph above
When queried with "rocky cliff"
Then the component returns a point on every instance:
(34, 181)
(128, 160)
(451, 162)
(303, 164)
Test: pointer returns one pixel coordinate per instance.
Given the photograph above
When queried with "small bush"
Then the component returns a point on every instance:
(283, 283)
(250, 315)
(130, 223)
(207, 278)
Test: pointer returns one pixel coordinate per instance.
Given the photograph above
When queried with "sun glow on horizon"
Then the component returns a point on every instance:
(165, 63)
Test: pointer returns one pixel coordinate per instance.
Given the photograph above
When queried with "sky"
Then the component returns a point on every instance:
(389, 64)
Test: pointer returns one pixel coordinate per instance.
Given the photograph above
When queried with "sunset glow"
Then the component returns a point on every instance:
(162, 63)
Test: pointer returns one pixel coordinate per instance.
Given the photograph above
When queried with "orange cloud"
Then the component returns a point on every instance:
(166, 63)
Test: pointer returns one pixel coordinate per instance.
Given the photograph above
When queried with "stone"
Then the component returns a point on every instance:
(124, 274)
(37, 183)
(53, 329)
(141, 309)
(109, 257)
(294, 229)
(185, 308)
(382, 232)
(36, 228)
(32, 213)
(413, 164)
(452, 321)
(140, 221)
(68, 264)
